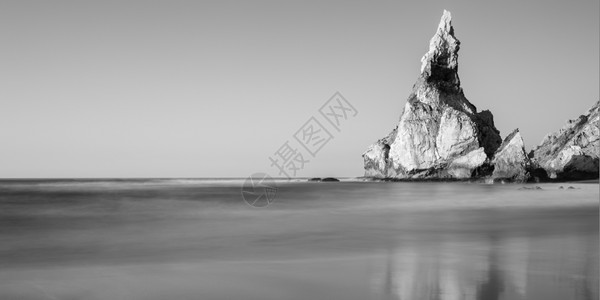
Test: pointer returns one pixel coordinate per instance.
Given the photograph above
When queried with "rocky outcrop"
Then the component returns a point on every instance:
(572, 152)
(510, 160)
(376, 158)
(440, 133)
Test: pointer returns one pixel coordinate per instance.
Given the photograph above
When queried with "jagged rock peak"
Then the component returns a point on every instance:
(440, 134)
(510, 160)
(512, 138)
(442, 57)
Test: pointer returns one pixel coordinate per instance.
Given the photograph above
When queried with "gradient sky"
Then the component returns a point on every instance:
(213, 88)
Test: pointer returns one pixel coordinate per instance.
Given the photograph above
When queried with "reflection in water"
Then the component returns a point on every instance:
(515, 263)
(493, 284)
(492, 268)
(388, 287)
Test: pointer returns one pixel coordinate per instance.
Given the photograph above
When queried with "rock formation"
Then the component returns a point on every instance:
(377, 161)
(510, 160)
(440, 133)
(463, 166)
(572, 152)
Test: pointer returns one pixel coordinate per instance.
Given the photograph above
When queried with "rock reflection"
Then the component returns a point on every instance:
(389, 288)
(493, 286)
(494, 267)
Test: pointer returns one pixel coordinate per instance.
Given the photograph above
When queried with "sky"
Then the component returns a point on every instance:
(215, 88)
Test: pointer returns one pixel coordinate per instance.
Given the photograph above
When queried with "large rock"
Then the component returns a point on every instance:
(572, 152)
(510, 160)
(439, 127)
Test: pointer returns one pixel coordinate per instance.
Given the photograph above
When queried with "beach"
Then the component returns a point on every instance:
(198, 239)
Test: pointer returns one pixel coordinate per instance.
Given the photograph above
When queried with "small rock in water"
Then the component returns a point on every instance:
(560, 187)
(571, 188)
(330, 179)
(530, 188)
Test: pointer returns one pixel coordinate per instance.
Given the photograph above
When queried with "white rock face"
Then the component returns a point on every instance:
(463, 166)
(572, 152)
(376, 157)
(457, 132)
(438, 126)
(510, 161)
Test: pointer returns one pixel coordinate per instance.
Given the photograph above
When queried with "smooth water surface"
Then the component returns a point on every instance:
(198, 239)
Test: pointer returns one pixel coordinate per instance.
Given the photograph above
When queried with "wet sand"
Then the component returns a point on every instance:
(348, 240)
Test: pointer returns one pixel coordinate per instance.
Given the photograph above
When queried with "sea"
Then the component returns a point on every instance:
(353, 239)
